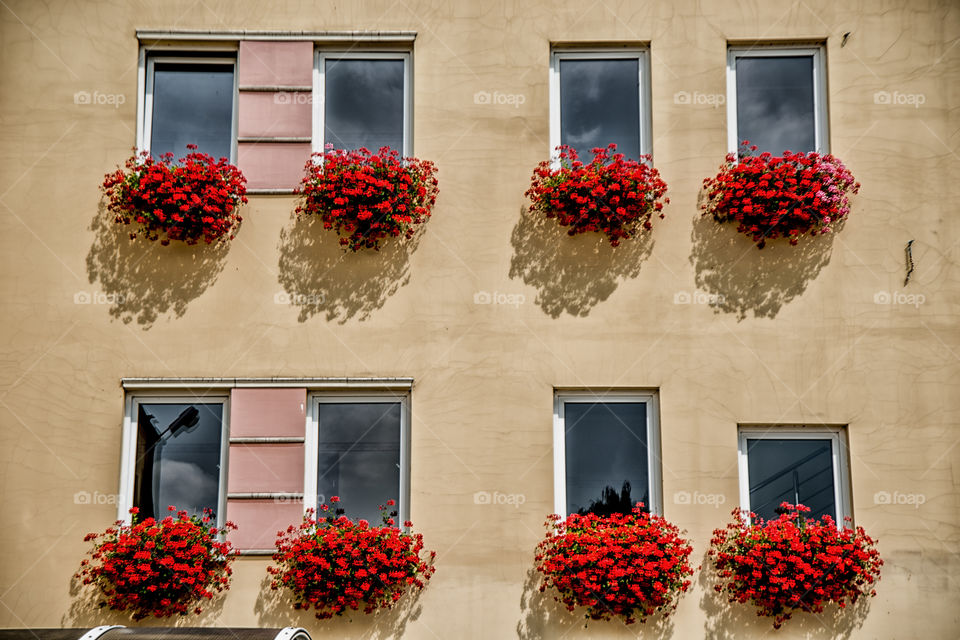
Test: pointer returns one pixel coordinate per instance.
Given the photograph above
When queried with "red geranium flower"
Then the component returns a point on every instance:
(333, 564)
(195, 198)
(159, 568)
(793, 564)
(611, 194)
(622, 565)
(367, 197)
(780, 196)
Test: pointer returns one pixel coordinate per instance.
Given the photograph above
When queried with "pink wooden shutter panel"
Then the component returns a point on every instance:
(266, 468)
(275, 112)
(268, 413)
(260, 520)
(274, 62)
(261, 467)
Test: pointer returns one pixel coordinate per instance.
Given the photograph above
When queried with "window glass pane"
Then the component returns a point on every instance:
(364, 104)
(359, 455)
(606, 456)
(775, 103)
(192, 104)
(798, 471)
(600, 104)
(178, 457)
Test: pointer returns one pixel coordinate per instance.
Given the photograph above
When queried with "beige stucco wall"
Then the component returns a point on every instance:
(800, 339)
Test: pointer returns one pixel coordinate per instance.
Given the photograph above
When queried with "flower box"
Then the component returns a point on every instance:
(193, 199)
(626, 566)
(784, 196)
(333, 564)
(793, 564)
(611, 194)
(367, 197)
(159, 568)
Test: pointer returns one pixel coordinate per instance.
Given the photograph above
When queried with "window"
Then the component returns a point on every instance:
(804, 465)
(606, 452)
(175, 449)
(364, 101)
(600, 97)
(188, 99)
(357, 449)
(777, 99)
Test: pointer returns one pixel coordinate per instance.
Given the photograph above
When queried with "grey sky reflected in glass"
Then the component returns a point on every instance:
(192, 104)
(359, 456)
(790, 470)
(775, 105)
(364, 104)
(605, 446)
(179, 468)
(600, 104)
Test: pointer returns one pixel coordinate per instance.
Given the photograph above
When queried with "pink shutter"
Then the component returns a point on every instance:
(265, 467)
(275, 117)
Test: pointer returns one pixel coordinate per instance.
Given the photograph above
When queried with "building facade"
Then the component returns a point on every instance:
(481, 371)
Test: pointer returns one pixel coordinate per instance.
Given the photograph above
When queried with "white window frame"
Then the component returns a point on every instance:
(311, 443)
(821, 134)
(320, 96)
(145, 81)
(654, 470)
(128, 464)
(641, 54)
(839, 454)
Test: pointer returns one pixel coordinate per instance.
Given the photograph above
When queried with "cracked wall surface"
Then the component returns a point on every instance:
(802, 335)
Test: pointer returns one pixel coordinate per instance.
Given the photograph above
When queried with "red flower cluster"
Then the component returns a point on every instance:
(780, 197)
(195, 198)
(159, 569)
(611, 194)
(793, 564)
(333, 564)
(368, 197)
(624, 565)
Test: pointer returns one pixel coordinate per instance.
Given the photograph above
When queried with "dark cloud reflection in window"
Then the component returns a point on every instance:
(775, 103)
(600, 104)
(192, 104)
(364, 103)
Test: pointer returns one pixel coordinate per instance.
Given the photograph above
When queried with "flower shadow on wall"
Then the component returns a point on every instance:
(320, 277)
(743, 279)
(273, 609)
(145, 280)
(729, 621)
(543, 618)
(572, 274)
